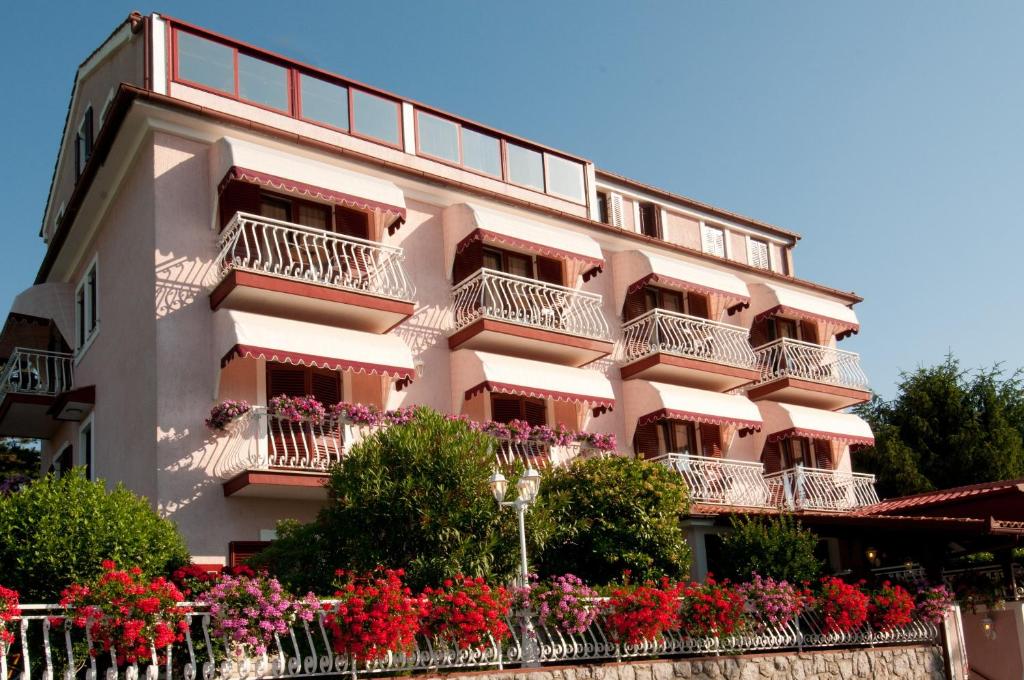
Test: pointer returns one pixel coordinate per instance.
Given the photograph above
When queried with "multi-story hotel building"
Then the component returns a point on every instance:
(226, 223)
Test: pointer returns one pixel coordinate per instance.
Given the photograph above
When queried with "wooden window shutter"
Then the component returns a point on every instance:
(504, 409)
(351, 222)
(759, 333)
(823, 454)
(649, 220)
(645, 441)
(326, 386)
(287, 380)
(239, 552)
(468, 262)
(635, 304)
(549, 270)
(535, 412)
(710, 440)
(615, 209)
(697, 305)
(809, 331)
(712, 240)
(771, 456)
(238, 197)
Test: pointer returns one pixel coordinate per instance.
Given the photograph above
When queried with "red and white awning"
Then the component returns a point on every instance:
(237, 160)
(647, 402)
(635, 269)
(770, 299)
(465, 223)
(783, 421)
(475, 372)
(244, 334)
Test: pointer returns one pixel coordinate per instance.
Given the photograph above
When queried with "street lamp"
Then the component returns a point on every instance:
(526, 487)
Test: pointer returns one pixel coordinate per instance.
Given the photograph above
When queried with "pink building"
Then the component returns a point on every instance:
(225, 223)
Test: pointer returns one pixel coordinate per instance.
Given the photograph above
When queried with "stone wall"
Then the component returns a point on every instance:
(912, 662)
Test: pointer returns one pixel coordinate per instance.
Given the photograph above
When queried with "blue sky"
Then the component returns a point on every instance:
(889, 134)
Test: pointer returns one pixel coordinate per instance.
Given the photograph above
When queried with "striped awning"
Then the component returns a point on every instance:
(783, 421)
(648, 402)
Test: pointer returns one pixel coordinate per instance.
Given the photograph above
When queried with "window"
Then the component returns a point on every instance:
(324, 102)
(797, 451)
(525, 167)
(206, 62)
(505, 408)
(649, 222)
(262, 82)
(677, 436)
(565, 178)
(375, 117)
(681, 302)
(63, 461)
(438, 137)
(602, 207)
(87, 308)
(299, 381)
(757, 254)
(712, 240)
(481, 152)
(83, 142)
(508, 262)
(86, 440)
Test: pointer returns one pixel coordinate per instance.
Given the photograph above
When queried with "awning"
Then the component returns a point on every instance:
(475, 372)
(54, 301)
(634, 269)
(243, 334)
(648, 402)
(465, 223)
(783, 421)
(769, 299)
(237, 160)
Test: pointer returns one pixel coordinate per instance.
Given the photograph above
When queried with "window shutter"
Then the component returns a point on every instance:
(759, 333)
(615, 209)
(468, 262)
(351, 222)
(713, 240)
(757, 254)
(535, 412)
(549, 270)
(645, 441)
(238, 197)
(697, 305)
(809, 331)
(239, 552)
(326, 386)
(649, 222)
(504, 409)
(823, 454)
(771, 456)
(710, 440)
(287, 380)
(635, 304)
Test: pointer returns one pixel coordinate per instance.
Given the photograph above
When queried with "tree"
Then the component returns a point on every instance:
(615, 514)
(57, 531)
(777, 547)
(946, 427)
(19, 463)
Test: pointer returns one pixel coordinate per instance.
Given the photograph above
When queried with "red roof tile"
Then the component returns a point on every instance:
(943, 496)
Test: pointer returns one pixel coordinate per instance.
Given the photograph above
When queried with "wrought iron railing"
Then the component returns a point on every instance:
(540, 455)
(683, 335)
(490, 294)
(718, 481)
(787, 358)
(44, 648)
(805, 488)
(37, 372)
(292, 251)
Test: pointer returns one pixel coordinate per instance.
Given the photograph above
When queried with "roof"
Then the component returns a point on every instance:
(945, 496)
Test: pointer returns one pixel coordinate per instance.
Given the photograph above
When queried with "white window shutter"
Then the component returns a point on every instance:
(757, 253)
(713, 240)
(615, 209)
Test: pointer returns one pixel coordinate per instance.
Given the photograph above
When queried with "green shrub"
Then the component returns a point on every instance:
(613, 514)
(54, 532)
(778, 547)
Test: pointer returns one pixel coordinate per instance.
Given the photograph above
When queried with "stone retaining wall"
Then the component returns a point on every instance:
(912, 662)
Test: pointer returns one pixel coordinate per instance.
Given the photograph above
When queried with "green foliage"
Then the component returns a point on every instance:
(54, 532)
(19, 459)
(946, 427)
(415, 496)
(613, 514)
(778, 547)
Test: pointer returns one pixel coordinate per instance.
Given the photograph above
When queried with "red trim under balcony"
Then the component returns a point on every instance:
(583, 350)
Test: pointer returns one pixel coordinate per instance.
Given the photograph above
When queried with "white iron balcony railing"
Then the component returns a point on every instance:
(683, 335)
(720, 482)
(541, 455)
(805, 488)
(292, 251)
(490, 294)
(36, 371)
(787, 358)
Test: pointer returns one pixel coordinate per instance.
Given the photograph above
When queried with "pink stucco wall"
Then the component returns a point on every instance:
(1001, 658)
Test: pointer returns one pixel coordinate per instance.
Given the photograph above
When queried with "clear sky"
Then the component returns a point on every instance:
(889, 134)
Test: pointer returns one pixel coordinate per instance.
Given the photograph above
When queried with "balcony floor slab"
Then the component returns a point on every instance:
(291, 485)
(529, 343)
(27, 415)
(809, 393)
(689, 372)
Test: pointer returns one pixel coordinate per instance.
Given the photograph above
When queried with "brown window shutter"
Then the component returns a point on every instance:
(759, 333)
(823, 454)
(809, 331)
(468, 262)
(504, 409)
(549, 270)
(645, 441)
(287, 380)
(535, 412)
(697, 304)
(635, 304)
(649, 225)
(326, 386)
(238, 197)
(351, 222)
(240, 551)
(710, 440)
(771, 456)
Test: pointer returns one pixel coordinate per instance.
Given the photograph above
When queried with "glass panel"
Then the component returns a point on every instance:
(438, 137)
(565, 178)
(262, 82)
(324, 102)
(206, 62)
(275, 208)
(374, 116)
(316, 216)
(519, 265)
(492, 260)
(525, 167)
(481, 152)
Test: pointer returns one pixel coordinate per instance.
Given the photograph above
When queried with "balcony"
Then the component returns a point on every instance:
(509, 314)
(805, 488)
(678, 348)
(30, 382)
(716, 481)
(811, 375)
(282, 269)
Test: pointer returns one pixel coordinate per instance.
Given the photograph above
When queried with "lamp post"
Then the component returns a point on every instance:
(527, 487)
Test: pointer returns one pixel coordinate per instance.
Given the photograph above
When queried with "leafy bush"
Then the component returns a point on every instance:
(777, 547)
(55, 532)
(614, 514)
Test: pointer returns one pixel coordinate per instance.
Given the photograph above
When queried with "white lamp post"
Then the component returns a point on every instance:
(527, 487)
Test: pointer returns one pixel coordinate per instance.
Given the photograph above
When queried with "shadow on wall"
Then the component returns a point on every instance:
(180, 281)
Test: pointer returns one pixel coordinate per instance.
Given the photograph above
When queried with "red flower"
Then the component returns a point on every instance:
(468, 612)
(890, 607)
(843, 606)
(640, 613)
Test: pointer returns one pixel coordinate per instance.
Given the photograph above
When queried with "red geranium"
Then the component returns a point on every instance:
(374, 615)
(468, 612)
(645, 612)
(711, 608)
(843, 606)
(891, 607)
(8, 610)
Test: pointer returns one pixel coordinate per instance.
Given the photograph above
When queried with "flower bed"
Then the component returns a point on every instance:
(225, 413)
(635, 614)
(711, 609)
(467, 612)
(8, 611)
(774, 603)
(933, 604)
(563, 602)
(891, 606)
(843, 606)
